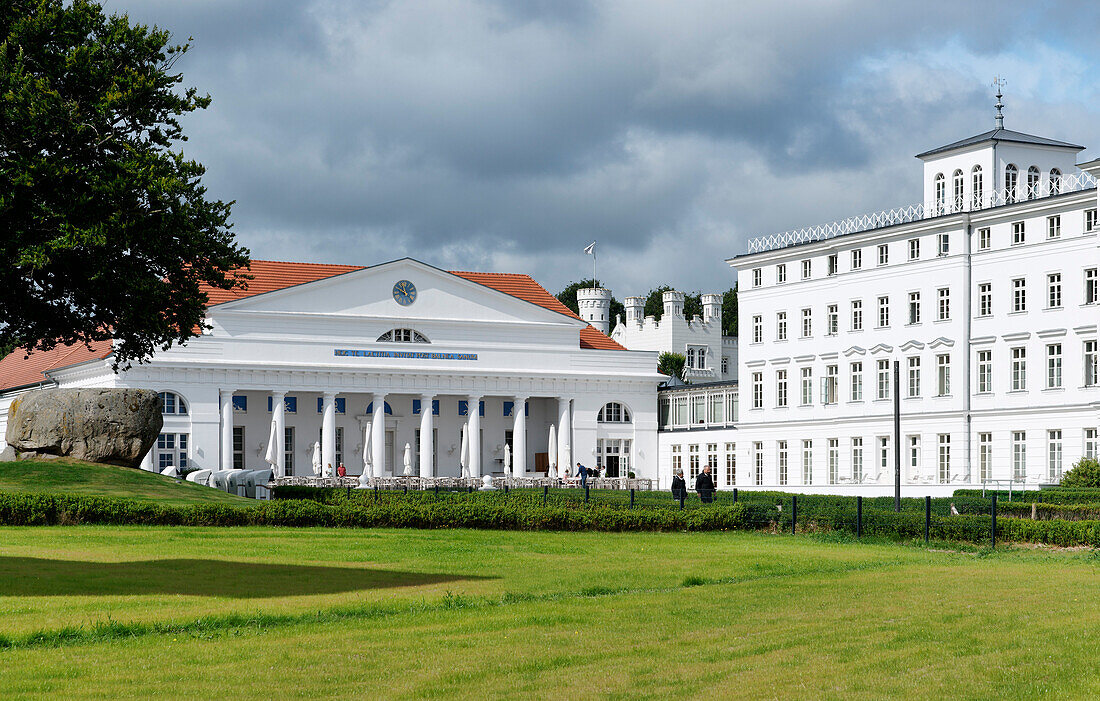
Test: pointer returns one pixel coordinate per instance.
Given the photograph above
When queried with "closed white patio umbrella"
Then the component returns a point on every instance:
(507, 460)
(464, 453)
(316, 460)
(552, 449)
(408, 460)
(364, 479)
(272, 457)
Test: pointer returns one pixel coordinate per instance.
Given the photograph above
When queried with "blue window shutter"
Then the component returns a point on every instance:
(463, 407)
(269, 404)
(435, 407)
(320, 404)
(341, 405)
(291, 404)
(526, 409)
(508, 408)
(240, 402)
(416, 407)
(481, 408)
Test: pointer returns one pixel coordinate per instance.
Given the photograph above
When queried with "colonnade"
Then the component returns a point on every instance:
(378, 432)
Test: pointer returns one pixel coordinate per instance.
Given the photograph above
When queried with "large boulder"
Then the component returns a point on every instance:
(113, 426)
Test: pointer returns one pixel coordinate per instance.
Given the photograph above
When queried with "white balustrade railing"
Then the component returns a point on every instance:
(903, 215)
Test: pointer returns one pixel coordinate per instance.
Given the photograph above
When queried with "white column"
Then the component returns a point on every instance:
(427, 465)
(519, 436)
(473, 411)
(565, 436)
(227, 429)
(278, 415)
(378, 435)
(328, 433)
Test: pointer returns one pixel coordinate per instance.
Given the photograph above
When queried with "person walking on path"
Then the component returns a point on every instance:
(679, 487)
(704, 484)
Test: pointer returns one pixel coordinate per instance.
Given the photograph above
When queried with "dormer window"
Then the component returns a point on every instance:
(402, 336)
(1032, 182)
(1012, 174)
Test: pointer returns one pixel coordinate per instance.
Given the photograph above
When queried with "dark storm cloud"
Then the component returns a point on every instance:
(508, 134)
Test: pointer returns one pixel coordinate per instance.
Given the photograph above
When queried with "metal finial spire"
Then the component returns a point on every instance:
(999, 82)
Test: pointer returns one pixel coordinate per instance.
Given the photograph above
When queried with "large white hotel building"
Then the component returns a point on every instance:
(986, 296)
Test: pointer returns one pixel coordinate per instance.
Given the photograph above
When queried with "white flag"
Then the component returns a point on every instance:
(590, 249)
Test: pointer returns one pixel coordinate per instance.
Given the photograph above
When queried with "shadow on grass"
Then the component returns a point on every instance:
(29, 576)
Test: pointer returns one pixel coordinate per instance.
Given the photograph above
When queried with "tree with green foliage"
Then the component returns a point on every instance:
(568, 297)
(671, 364)
(729, 312)
(1085, 473)
(107, 229)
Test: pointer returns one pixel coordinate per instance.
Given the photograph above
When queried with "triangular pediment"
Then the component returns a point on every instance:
(430, 294)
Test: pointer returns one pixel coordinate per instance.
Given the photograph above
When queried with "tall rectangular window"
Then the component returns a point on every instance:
(985, 456)
(781, 273)
(758, 460)
(943, 375)
(883, 312)
(944, 241)
(914, 307)
(985, 371)
(944, 295)
(857, 382)
(857, 459)
(985, 299)
(1090, 356)
(1091, 444)
(883, 380)
(914, 376)
(807, 461)
(883, 454)
(758, 390)
(807, 323)
(807, 386)
(1054, 455)
(1019, 369)
(833, 264)
(781, 388)
(1054, 227)
(832, 321)
(1019, 295)
(806, 269)
(1054, 365)
(857, 259)
(883, 254)
(985, 240)
(914, 456)
(1091, 286)
(693, 462)
(757, 277)
(834, 460)
(1090, 220)
(1019, 455)
(731, 464)
(1017, 233)
(781, 460)
(857, 315)
(288, 449)
(1054, 290)
(238, 447)
(781, 326)
(757, 329)
(832, 373)
(914, 249)
(712, 460)
(945, 457)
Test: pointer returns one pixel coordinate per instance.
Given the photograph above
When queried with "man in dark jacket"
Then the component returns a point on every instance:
(582, 472)
(704, 484)
(679, 487)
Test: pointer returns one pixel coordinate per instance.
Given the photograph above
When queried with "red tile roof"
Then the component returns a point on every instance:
(268, 276)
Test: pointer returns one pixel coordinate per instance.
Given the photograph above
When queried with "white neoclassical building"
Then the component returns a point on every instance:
(985, 294)
(403, 352)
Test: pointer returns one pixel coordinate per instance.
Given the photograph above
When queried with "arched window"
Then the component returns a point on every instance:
(1055, 181)
(1032, 182)
(1012, 174)
(614, 413)
(941, 192)
(403, 336)
(976, 187)
(171, 404)
(957, 187)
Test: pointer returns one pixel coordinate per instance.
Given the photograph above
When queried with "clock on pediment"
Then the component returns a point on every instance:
(404, 292)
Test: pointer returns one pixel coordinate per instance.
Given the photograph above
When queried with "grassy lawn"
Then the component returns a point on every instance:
(74, 477)
(262, 613)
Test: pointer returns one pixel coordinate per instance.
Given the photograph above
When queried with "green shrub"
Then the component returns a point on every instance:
(1085, 473)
